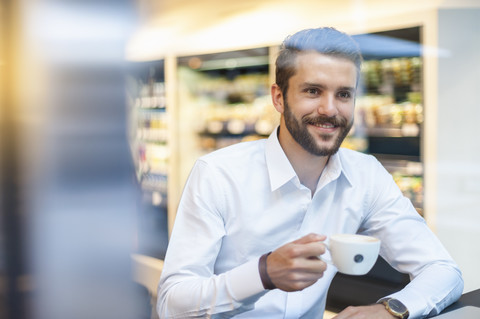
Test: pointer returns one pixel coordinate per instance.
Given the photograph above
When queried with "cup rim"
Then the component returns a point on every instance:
(365, 238)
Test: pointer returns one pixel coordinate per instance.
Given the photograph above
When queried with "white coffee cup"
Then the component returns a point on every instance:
(353, 254)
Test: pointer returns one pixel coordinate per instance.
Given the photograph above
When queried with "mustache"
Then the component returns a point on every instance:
(322, 119)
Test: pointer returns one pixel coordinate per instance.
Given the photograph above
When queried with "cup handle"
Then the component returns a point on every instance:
(322, 258)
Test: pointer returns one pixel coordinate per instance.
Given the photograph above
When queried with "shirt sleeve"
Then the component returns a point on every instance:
(189, 286)
(410, 247)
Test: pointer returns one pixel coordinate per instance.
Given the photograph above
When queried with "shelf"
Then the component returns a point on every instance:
(389, 114)
(395, 146)
(407, 130)
(149, 128)
(237, 128)
(227, 95)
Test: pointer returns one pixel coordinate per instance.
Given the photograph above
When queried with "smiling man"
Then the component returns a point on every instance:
(317, 112)
(253, 217)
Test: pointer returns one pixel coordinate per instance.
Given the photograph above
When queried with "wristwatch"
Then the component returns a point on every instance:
(395, 307)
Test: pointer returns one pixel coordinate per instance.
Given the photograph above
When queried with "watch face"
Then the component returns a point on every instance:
(397, 306)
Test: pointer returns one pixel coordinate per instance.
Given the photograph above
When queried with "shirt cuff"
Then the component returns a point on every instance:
(244, 281)
(411, 300)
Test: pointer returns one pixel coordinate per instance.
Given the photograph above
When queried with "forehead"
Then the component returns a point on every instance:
(312, 65)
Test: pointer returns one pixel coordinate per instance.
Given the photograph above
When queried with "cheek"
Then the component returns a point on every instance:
(302, 107)
(347, 111)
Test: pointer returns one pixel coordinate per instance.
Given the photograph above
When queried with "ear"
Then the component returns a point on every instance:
(277, 98)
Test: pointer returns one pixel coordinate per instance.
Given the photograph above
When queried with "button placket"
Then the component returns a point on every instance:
(304, 207)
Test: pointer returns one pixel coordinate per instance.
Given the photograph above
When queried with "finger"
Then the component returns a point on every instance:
(310, 265)
(311, 269)
(313, 265)
(347, 313)
(312, 249)
(310, 238)
(299, 280)
(303, 277)
(288, 261)
(343, 314)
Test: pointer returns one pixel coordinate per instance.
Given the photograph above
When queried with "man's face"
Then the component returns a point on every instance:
(318, 109)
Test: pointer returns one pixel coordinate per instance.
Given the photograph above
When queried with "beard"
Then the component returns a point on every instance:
(298, 130)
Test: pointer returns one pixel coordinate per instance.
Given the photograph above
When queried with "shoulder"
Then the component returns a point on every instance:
(360, 165)
(236, 154)
(354, 158)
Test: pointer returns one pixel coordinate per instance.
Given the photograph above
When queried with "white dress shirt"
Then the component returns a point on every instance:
(244, 200)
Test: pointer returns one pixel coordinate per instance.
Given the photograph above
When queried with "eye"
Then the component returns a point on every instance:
(344, 94)
(312, 91)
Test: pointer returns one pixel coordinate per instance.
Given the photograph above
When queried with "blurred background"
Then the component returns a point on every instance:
(105, 106)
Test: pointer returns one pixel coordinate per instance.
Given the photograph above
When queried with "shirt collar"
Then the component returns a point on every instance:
(333, 170)
(280, 170)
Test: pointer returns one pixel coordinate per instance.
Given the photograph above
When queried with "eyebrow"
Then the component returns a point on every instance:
(348, 88)
(312, 84)
(321, 86)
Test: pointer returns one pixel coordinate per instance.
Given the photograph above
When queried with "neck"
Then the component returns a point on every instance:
(307, 166)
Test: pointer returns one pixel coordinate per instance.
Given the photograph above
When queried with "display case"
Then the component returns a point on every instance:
(148, 129)
(389, 107)
(224, 98)
(148, 134)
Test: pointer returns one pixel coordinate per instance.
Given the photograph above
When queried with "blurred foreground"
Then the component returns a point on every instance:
(68, 197)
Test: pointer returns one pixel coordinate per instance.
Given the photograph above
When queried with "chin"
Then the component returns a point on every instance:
(326, 149)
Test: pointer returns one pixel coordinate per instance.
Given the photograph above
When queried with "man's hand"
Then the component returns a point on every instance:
(296, 265)
(376, 311)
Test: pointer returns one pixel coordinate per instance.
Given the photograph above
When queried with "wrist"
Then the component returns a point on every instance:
(384, 312)
(262, 268)
(395, 307)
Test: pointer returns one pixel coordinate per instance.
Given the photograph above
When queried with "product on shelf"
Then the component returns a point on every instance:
(148, 131)
(389, 111)
(380, 115)
(392, 103)
(230, 109)
(152, 126)
(355, 143)
(411, 187)
(392, 76)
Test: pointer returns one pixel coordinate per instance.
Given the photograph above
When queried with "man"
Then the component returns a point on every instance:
(285, 195)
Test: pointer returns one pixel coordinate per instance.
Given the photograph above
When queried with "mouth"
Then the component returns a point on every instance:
(324, 125)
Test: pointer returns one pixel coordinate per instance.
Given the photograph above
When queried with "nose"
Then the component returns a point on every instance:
(327, 106)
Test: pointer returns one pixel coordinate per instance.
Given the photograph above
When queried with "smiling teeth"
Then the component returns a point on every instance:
(325, 125)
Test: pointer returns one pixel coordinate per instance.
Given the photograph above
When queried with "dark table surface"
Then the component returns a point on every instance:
(471, 298)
